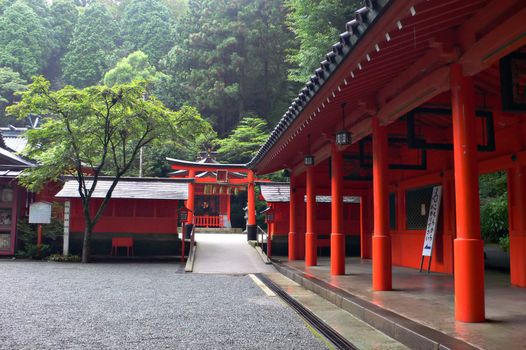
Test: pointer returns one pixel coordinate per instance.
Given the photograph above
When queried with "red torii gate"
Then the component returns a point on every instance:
(217, 173)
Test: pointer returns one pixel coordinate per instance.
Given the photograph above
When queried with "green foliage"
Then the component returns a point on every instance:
(193, 135)
(146, 26)
(99, 128)
(92, 47)
(23, 40)
(134, 67)
(228, 60)
(10, 82)
(244, 141)
(63, 19)
(51, 239)
(316, 25)
(64, 258)
(493, 206)
(504, 243)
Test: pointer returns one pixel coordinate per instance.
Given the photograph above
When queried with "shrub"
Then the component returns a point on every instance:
(51, 239)
(64, 258)
(504, 243)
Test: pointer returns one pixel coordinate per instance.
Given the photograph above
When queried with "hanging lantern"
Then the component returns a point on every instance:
(236, 191)
(343, 137)
(220, 189)
(309, 158)
(228, 190)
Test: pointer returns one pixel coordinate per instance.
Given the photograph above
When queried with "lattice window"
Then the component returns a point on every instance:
(417, 207)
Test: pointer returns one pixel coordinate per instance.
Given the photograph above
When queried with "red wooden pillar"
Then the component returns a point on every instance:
(251, 207)
(517, 219)
(382, 270)
(337, 235)
(311, 244)
(468, 246)
(293, 236)
(190, 203)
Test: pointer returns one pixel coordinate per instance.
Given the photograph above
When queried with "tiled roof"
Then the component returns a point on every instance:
(15, 143)
(275, 192)
(132, 188)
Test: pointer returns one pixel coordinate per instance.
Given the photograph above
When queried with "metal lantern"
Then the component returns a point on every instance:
(309, 160)
(269, 217)
(343, 137)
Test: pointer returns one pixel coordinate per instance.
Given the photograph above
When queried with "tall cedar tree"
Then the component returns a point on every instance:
(226, 52)
(63, 19)
(316, 25)
(146, 26)
(92, 48)
(23, 40)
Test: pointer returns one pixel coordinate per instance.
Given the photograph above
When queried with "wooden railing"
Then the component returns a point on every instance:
(208, 220)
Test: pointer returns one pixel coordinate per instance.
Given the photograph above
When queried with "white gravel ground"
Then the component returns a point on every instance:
(140, 306)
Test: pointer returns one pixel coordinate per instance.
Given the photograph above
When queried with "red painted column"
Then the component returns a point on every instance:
(517, 219)
(251, 207)
(382, 270)
(337, 235)
(293, 236)
(311, 244)
(468, 246)
(190, 203)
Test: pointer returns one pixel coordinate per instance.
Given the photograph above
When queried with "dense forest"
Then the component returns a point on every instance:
(224, 59)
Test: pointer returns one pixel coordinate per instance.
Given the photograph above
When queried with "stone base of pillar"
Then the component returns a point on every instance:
(252, 232)
(292, 254)
(337, 254)
(311, 249)
(469, 280)
(382, 264)
(518, 260)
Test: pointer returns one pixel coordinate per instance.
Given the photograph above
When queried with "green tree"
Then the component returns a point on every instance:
(92, 48)
(99, 127)
(146, 26)
(133, 67)
(228, 58)
(10, 82)
(63, 19)
(23, 40)
(316, 25)
(194, 135)
(244, 141)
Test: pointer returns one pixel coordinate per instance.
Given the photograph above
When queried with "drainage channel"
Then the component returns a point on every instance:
(322, 327)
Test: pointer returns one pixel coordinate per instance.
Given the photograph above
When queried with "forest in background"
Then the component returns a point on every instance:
(237, 63)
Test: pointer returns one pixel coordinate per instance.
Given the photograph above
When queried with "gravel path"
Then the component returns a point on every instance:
(140, 306)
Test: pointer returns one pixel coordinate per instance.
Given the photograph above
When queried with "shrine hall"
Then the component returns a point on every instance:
(415, 100)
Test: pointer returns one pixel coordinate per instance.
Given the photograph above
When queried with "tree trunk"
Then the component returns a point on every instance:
(86, 244)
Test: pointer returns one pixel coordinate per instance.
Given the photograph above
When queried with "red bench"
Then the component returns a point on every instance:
(122, 242)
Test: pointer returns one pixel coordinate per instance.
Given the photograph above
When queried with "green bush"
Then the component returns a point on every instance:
(493, 206)
(504, 243)
(64, 258)
(51, 239)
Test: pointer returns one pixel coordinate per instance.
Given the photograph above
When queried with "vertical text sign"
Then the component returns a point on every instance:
(432, 221)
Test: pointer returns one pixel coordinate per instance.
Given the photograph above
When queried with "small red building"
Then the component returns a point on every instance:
(144, 209)
(277, 196)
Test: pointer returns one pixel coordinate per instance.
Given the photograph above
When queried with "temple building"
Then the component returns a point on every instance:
(415, 100)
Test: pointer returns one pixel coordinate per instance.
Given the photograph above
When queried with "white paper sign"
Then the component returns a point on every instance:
(40, 213)
(432, 221)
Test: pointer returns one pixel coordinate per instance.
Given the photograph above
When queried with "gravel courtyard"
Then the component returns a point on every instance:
(140, 306)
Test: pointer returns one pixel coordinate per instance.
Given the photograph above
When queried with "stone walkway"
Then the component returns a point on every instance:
(227, 254)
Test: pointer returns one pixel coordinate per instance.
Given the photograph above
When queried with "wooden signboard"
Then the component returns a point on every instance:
(432, 221)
